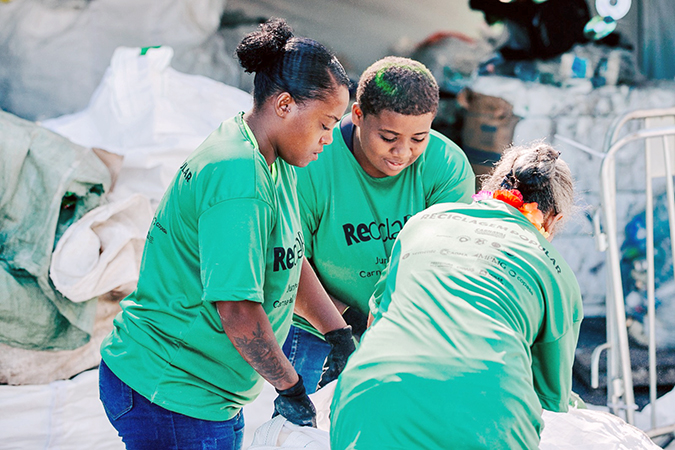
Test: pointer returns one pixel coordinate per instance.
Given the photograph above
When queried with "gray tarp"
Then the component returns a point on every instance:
(38, 169)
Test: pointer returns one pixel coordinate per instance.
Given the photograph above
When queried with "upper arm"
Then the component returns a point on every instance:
(236, 313)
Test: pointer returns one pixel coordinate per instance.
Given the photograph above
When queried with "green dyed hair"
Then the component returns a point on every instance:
(402, 85)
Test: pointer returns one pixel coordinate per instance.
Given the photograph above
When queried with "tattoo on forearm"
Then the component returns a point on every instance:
(259, 352)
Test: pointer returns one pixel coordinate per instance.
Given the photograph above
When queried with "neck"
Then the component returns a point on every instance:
(358, 150)
(356, 144)
(263, 134)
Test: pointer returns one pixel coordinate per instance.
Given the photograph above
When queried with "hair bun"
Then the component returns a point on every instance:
(537, 172)
(539, 167)
(263, 48)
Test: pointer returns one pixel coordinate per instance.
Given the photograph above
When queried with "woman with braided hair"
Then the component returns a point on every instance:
(475, 321)
(222, 263)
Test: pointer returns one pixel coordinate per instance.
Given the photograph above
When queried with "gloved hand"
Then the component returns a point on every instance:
(357, 320)
(342, 345)
(294, 404)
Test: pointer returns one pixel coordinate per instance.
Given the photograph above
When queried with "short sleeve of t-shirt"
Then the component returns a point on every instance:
(553, 349)
(233, 269)
(448, 172)
(551, 366)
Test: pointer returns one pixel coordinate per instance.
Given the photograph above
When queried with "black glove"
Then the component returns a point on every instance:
(294, 405)
(357, 320)
(342, 345)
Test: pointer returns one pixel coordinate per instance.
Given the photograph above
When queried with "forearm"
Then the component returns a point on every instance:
(249, 330)
(314, 304)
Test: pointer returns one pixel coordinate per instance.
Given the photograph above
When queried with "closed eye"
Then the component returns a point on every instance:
(419, 140)
(388, 139)
(325, 127)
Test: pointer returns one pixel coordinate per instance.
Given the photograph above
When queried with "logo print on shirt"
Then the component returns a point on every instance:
(187, 173)
(364, 232)
(287, 258)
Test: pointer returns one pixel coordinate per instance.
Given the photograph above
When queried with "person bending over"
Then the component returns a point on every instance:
(475, 321)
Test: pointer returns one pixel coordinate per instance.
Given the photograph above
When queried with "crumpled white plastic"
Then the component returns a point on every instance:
(64, 415)
(102, 250)
(588, 429)
(665, 412)
(151, 114)
(279, 433)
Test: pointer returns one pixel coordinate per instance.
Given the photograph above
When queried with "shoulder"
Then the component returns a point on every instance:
(442, 148)
(446, 171)
(227, 165)
(221, 155)
(559, 265)
(228, 142)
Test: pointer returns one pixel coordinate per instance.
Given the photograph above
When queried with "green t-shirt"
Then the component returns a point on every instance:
(476, 322)
(227, 229)
(351, 219)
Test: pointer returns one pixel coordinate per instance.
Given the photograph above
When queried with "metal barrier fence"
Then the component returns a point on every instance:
(656, 130)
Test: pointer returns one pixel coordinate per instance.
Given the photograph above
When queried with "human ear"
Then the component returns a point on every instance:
(357, 114)
(283, 104)
(549, 222)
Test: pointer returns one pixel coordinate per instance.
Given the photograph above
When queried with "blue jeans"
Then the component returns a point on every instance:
(307, 353)
(145, 425)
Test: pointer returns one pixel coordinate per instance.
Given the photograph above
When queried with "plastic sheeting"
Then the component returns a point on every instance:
(587, 429)
(279, 433)
(55, 52)
(102, 250)
(64, 415)
(665, 412)
(24, 367)
(153, 115)
(46, 184)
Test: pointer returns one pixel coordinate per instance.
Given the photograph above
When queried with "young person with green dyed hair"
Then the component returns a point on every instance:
(475, 322)
(222, 262)
(385, 164)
